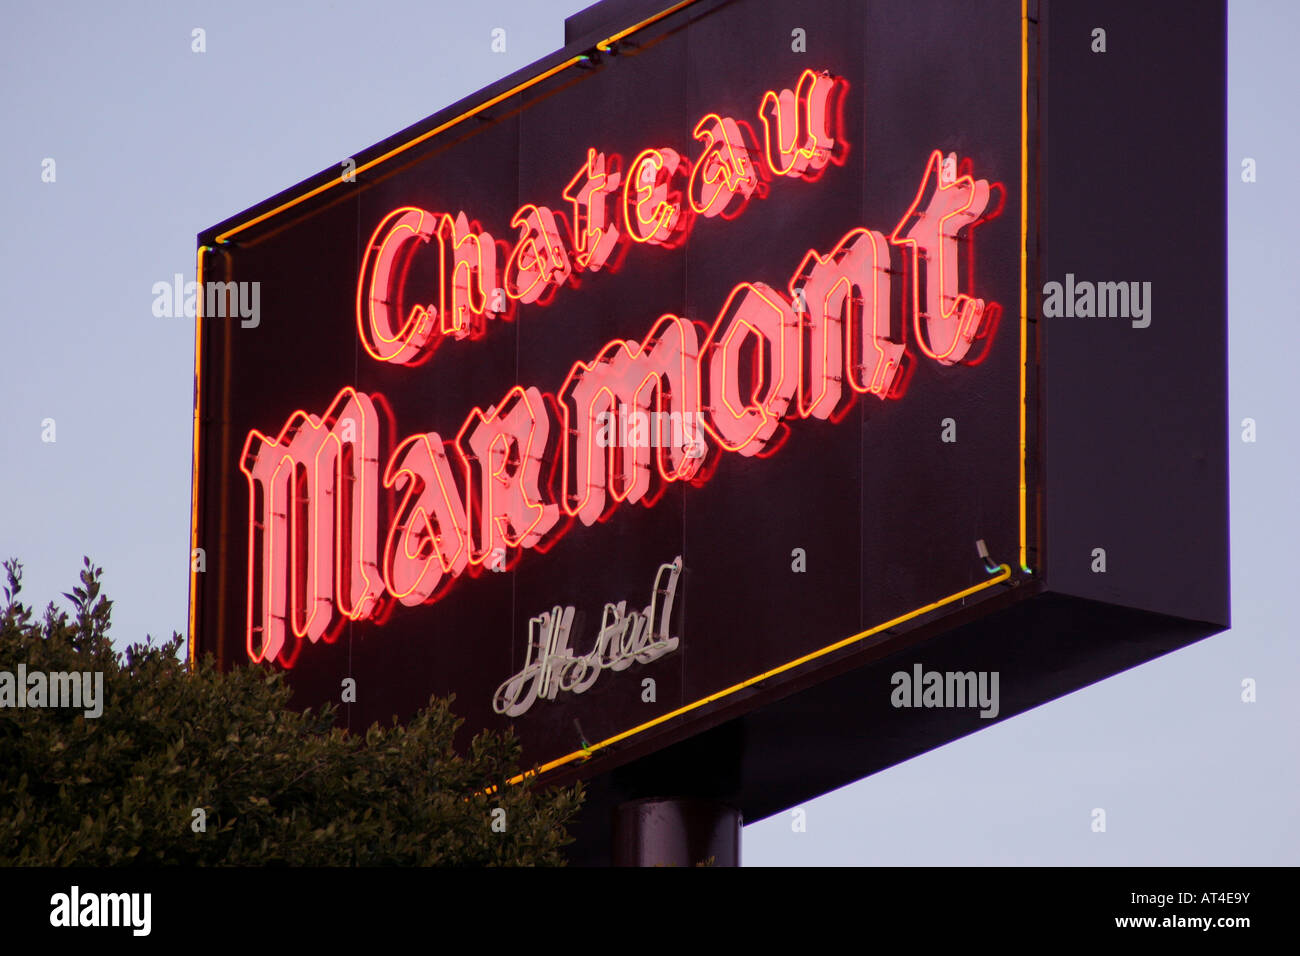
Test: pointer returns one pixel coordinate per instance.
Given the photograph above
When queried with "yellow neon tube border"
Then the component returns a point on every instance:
(603, 46)
(1004, 572)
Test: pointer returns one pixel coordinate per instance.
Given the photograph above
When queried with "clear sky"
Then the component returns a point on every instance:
(1187, 772)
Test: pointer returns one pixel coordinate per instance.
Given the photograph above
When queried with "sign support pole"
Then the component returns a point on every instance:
(676, 832)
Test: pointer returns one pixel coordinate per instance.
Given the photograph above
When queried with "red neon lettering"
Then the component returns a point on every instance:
(652, 207)
(312, 542)
(428, 543)
(470, 256)
(845, 297)
(757, 311)
(313, 515)
(724, 177)
(594, 236)
(659, 197)
(797, 135)
(384, 269)
(502, 450)
(539, 261)
(947, 321)
(657, 380)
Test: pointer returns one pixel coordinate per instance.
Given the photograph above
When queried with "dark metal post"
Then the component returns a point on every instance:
(676, 832)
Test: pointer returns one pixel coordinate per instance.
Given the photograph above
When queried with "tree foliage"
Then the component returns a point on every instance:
(276, 785)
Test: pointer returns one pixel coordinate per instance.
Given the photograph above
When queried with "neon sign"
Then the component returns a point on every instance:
(625, 637)
(528, 467)
(656, 203)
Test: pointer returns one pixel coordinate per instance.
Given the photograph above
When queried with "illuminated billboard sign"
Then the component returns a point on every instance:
(683, 371)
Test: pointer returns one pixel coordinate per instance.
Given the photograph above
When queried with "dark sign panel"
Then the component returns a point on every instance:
(660, 382)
